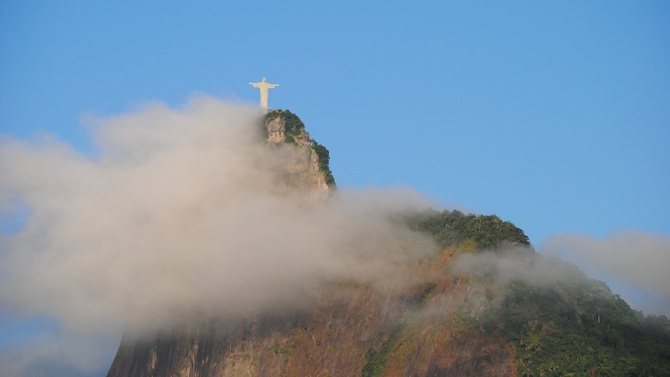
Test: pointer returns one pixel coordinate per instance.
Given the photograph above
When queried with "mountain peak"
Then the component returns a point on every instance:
(483, 303)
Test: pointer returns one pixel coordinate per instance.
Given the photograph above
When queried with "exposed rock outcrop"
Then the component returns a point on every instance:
(276, 130)
(309, 166)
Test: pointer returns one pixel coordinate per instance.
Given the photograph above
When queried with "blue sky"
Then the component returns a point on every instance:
(553, 115)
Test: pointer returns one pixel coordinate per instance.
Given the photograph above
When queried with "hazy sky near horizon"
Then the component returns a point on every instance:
(555, 116)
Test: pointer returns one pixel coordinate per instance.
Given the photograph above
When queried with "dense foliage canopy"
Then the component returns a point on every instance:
(572, 326)
(451, 228)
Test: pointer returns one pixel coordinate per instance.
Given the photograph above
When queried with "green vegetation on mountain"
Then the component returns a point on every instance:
(567, 326)
(452, 228)
(324, 162)
(294, 126)
(577, 328)
(376, 359)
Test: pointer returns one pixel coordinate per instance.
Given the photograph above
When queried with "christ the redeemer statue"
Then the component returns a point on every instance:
(264, 87)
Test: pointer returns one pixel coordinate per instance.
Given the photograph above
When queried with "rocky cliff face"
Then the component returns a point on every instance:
(352, 330)
(307, 170)
(276, 128)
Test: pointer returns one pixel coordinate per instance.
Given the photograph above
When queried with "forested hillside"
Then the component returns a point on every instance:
(562, 324)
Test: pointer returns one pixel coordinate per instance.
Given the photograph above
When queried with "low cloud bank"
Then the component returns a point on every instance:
(183, 210)
(635, 263)
(519, 264)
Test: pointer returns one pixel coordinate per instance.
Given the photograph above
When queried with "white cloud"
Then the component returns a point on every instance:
(634, 261)
(183, 210)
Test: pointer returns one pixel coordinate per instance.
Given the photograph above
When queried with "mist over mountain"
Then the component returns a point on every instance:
(633, 257)
(214, 237)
